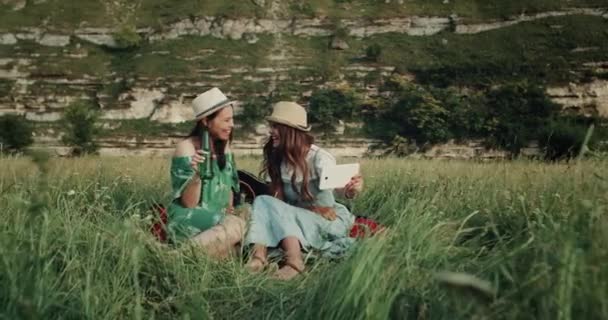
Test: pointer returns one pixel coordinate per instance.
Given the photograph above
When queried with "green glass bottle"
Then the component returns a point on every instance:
(205, 170)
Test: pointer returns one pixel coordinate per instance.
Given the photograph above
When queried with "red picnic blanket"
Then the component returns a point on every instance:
(363, 227)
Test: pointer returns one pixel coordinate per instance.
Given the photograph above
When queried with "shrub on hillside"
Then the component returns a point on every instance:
(127, 37)
(372, 78)
(467, 113)
(373, 52)
(79, 121)
(509, 117)
(15, 133)
(252, 113)
(328, 106)
(411, 111)
(563, 138)
(517, 114)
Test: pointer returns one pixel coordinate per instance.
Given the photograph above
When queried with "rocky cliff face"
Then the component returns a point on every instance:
(39, 100)
(34, 80)
(164, 147)
(248, 28)
(588, 98)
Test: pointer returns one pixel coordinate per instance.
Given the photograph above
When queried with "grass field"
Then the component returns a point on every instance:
(75, 246)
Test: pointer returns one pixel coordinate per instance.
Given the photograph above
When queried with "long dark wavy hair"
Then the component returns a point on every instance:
(218, 146)
(292, 149)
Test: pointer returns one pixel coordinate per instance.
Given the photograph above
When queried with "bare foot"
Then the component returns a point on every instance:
(289, 271)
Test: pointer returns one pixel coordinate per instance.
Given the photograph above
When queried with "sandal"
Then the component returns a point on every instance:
(284, 274)
(256, 267)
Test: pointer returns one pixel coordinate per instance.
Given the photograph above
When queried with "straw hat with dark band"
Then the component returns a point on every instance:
(290, 114)
(209, 102)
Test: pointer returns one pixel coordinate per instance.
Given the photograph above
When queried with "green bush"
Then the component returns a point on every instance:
(328, 106)
(508, 117)
(411, 111)
(79, 121)
(563, 138)
(467, 113)
(15, 133)
(6, 86)
(517, 114)
(424, 117)
(373, 52)
(127, 37)
(329, 68)
(253, 112)
(372, 78)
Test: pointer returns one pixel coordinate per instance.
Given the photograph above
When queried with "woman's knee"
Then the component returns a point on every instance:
(235, 228)
(235, 222)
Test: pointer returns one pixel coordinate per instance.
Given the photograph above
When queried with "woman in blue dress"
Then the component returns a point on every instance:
(298, 216)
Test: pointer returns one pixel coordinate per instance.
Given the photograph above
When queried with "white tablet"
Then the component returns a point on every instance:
(337, 176)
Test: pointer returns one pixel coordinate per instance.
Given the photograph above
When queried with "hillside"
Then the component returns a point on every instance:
(145, 60)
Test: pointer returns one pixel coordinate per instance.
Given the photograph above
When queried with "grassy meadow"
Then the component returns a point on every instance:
(75, 246)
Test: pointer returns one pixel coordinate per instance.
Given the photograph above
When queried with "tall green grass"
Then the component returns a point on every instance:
(75, 245)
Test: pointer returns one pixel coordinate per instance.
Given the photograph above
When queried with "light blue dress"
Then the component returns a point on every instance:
(273, 220)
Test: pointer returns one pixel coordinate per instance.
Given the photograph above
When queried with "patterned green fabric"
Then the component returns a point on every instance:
(184, 222)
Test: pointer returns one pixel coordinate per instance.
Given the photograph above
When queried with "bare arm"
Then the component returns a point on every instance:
(230, 208)
(191, 194)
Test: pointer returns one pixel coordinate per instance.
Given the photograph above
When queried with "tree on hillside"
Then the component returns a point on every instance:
(252, 113)
(564, 136)
(409, 111)
(373, 52)
(15, 133)
(518, 114)
(328, 106)
(79, 121)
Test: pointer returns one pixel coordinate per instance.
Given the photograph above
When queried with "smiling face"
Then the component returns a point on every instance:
(221, 123)
(275, 136)
(289, 146)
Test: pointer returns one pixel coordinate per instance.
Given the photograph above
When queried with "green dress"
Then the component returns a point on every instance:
(184, 223)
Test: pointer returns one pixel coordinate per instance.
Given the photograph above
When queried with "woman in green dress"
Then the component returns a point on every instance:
(203, 181)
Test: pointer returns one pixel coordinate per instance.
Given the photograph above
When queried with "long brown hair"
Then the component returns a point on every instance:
(293, 148)
(218, 146)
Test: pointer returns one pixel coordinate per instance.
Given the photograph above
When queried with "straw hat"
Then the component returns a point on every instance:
(209, 102)
(290, 114)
